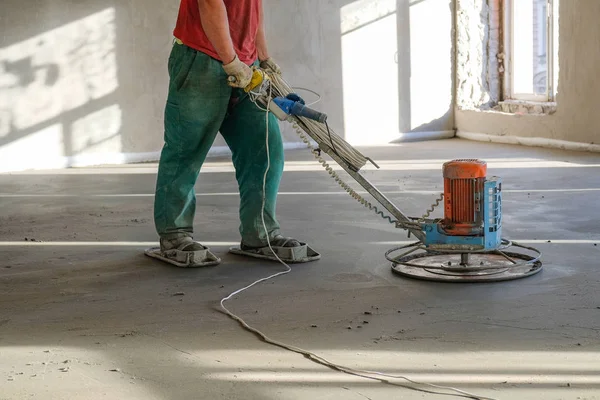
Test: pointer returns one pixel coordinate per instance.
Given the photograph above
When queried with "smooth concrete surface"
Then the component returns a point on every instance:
(84, 315)
(85, 83)
(576, 119)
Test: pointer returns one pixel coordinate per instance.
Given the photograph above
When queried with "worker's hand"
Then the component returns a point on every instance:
(270, 66)
(239, 73)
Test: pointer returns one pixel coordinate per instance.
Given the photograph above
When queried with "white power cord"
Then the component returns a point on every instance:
(296, 88)
(373, 375)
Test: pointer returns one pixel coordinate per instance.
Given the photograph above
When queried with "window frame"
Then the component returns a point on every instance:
(551, 30)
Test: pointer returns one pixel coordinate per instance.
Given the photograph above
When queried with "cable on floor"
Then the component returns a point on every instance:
(373, 375)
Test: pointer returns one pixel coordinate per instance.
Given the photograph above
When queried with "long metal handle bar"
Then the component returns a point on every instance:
(364, 182)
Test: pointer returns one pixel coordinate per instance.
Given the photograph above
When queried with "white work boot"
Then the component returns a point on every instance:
(183, 252)
(182, 243)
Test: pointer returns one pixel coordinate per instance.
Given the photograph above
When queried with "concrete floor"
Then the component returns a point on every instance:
(84, 315)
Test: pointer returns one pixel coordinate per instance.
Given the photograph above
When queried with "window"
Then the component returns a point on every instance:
(531, 48)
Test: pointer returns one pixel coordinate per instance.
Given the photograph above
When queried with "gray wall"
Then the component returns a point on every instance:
(576, 118)
(84, 82)
(81, 82)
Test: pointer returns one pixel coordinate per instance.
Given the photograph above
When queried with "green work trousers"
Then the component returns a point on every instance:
(199, 105)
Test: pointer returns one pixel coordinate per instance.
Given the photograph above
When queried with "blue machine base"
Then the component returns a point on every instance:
(490, 239)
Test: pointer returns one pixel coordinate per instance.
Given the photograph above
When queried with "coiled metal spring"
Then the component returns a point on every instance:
(431, 209)
(347, 187)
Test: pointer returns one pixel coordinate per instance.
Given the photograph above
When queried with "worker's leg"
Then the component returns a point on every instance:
(196, 106)
(245, 130)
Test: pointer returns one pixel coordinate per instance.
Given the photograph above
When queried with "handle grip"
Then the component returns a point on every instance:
(303, 111)
(292, 107)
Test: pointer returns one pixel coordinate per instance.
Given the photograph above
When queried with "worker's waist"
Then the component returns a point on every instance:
(211, 52)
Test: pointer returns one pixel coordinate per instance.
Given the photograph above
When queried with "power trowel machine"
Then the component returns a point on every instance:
(466, 245)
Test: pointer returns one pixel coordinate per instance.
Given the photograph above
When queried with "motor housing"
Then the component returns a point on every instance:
(464, 185)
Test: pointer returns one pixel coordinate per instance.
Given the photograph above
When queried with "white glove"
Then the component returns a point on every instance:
(270, 65)
(239, 73)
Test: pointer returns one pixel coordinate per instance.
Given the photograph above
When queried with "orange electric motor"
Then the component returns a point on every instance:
(464, 182)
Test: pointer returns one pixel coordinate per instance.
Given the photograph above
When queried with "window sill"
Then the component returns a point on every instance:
(526, 107)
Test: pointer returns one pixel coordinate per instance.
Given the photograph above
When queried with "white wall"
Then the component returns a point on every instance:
(576, 119)
(85, 82)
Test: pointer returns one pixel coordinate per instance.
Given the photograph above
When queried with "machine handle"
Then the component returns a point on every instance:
(301, 110)
(297, 108)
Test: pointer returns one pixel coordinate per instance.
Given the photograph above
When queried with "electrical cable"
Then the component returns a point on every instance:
(318, 130)
(310, 91)
(353, 193)
(330, 139)
(373, 375)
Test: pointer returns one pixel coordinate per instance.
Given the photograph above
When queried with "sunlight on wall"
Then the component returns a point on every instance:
(33, 150)
(53, 79)
(431, 61)
(98, 131)
(370, 72)
(397, 69)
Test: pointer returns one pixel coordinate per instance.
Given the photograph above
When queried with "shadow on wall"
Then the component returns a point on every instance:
(81, 84)
(85, 84)
(58, 94)
(397, 65)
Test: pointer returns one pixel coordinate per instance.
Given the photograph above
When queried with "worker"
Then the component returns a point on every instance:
(216, 44)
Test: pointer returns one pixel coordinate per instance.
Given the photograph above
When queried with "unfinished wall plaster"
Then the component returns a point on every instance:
(575, 119)
(478, 50)
(85, 82)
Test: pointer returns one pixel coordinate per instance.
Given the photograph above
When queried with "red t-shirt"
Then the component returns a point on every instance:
(244, 19)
